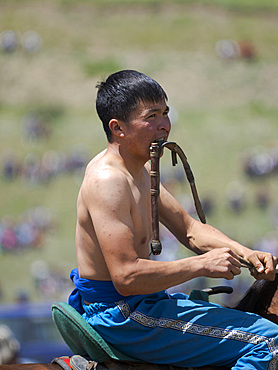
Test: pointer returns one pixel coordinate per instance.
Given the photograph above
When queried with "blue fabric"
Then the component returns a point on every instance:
(173, 329)
(91, 291)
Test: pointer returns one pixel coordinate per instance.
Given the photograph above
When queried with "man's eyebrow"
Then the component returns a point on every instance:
(153, 110)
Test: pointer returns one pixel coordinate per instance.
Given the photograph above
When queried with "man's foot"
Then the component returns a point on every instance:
(80, 363)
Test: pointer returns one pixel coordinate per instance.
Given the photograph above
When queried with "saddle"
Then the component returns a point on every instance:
(81, 337)
(83, 340)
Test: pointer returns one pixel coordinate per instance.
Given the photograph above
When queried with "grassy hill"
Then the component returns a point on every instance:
(226, 108)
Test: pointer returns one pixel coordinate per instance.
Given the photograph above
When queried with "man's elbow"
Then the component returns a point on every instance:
(125, 285)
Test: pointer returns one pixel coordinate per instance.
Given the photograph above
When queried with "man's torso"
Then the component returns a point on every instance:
(90, 259)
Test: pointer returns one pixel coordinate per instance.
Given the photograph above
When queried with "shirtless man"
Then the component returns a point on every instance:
(121, 290)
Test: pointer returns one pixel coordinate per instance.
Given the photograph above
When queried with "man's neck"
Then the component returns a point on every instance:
(134, 166)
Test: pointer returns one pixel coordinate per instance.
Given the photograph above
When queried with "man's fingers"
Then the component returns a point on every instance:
(235, 270)
(270, 263)
(233, 258)
(258, 265)
(236, 262)
(264, 266)
(260, 268)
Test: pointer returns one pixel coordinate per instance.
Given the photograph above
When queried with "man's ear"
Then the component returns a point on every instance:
(116, 127)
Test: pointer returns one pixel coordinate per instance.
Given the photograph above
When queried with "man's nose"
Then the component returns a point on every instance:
(165, 124)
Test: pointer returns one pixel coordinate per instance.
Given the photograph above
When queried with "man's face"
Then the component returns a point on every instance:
(149, 122)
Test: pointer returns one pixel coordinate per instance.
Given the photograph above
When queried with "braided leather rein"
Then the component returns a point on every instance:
(155, 153)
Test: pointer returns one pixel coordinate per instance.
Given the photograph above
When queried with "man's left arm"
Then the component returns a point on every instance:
(202, 238)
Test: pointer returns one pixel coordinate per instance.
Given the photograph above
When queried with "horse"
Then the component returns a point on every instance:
(261, 298)
(30, 367)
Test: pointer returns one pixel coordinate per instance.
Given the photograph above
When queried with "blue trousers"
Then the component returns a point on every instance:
(172, 329)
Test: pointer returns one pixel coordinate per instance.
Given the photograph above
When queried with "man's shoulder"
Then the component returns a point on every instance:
(105, 190)
(103, 173)
(103, 178)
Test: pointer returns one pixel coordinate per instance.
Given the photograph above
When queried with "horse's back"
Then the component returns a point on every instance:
(112, 365)
(30, 367)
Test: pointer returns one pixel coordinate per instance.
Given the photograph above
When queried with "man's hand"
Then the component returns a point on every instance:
(264, 265)
(220, 263)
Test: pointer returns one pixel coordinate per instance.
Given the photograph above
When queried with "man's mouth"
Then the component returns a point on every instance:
(160, 140)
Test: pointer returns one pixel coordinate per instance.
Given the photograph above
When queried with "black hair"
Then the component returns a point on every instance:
(121, 93)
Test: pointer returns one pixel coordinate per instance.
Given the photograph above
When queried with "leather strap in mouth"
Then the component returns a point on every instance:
(177, 150)
(155, 153)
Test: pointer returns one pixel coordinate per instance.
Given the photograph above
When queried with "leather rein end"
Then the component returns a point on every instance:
(155, 153)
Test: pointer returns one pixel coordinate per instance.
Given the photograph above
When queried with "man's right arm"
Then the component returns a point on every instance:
(204, 238)
(108, 198)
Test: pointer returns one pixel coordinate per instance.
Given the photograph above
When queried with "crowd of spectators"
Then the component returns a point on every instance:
(27, 232)
(11, 41)
(232, 49)
(36, 126)
(38, 170)
(261, 163)
(51, 282)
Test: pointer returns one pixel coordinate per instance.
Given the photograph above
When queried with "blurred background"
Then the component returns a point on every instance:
(217, 61)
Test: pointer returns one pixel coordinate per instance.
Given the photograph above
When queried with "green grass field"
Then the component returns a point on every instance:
(225, 108)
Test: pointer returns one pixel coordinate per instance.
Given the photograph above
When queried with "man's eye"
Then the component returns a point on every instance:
(165, 114)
